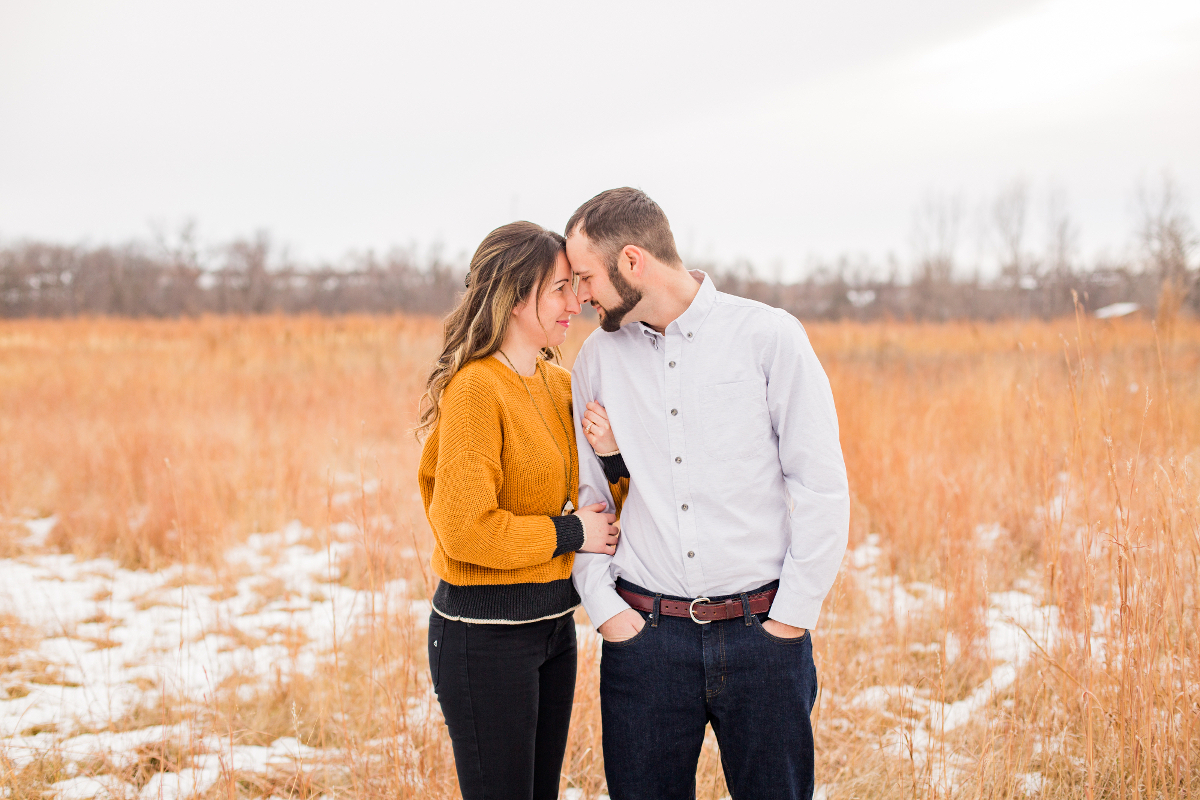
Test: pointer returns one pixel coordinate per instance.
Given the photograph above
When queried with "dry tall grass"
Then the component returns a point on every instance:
(1058, 459)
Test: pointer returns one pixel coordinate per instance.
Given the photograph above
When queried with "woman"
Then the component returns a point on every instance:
(499, 478)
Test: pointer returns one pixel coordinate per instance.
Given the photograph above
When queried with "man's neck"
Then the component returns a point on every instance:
(670, 299)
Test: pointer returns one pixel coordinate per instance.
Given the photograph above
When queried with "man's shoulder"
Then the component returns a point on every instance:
(600, 341)
(754, 310)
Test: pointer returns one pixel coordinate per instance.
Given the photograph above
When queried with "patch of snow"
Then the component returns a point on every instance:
(860, 298)
(1116, 310)
(988, 535)
(39, 530)
(187, 782)
(101, 787)
(1030, 783)
(116, 639)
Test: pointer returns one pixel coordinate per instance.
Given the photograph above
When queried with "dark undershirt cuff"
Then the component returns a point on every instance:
(569, 529)
(614, 467)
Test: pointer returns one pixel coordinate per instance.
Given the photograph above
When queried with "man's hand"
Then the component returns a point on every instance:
(623, 626)
(778, 629)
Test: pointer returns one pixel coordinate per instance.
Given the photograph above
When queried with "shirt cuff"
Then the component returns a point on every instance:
(569, 530)
(603, 605)
(795, 609)
(614, 467)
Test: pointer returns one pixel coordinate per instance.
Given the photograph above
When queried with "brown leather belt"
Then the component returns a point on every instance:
(701, 609)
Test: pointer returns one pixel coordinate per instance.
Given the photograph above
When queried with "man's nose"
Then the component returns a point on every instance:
(582, 295)
(574, 304)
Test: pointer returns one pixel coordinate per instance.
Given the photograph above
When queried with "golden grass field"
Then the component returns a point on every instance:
(1017, 615)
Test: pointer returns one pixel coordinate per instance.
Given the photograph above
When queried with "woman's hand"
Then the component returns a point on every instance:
(598, 430)
(599, 533)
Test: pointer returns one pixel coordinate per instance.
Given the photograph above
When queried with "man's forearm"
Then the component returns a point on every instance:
(596, 587)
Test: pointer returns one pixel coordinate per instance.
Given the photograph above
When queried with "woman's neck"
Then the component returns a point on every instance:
(519, 355)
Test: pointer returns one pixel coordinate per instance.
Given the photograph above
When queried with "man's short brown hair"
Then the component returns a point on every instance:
(619, 217)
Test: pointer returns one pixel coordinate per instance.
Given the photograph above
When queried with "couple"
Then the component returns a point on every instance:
(732, 493)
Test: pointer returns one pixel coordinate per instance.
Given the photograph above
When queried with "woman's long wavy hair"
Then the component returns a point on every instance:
(512, 264)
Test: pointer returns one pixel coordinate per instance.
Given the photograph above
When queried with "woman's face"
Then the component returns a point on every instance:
(545, 323)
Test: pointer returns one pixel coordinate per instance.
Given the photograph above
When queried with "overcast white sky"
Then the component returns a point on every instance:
(778, 132)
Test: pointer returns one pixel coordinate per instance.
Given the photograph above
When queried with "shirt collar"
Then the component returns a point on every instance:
(688, 323)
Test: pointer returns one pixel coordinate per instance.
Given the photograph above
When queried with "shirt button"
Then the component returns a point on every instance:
(678, 460)
(689, 334)
(674, 411)
(684, 506)
(671, 365)
(691, 553)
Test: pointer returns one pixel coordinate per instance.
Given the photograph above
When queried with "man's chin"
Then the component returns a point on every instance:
(608, 323)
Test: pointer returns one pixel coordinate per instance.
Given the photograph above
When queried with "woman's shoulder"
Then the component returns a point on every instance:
(558, 377)
(475, 379)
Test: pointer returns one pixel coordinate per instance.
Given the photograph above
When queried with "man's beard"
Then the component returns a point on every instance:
(611, 319)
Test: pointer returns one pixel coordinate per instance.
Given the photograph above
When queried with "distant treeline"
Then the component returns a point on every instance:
(47, 280)
(243, 277)
(174, 276)
(832, 294)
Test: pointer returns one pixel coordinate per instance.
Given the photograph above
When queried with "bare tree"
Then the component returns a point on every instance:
(1062, 248)
(1167, 239)
(937, 223)
(1062, 235)
(1008, 219)
(936, 227)
(180, 252)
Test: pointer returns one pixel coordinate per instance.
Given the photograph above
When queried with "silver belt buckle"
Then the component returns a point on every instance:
(692, 613)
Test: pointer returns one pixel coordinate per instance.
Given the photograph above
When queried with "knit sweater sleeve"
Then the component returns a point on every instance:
(464, 510)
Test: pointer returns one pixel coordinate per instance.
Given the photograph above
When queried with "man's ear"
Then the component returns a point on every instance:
(633, 260)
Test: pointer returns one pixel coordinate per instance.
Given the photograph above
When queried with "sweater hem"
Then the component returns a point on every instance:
(510, 604)
(505, 621)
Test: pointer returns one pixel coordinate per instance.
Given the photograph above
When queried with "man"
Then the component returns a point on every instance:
(735, 521)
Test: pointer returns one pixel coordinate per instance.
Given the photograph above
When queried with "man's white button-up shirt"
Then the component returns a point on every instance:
(727, 426)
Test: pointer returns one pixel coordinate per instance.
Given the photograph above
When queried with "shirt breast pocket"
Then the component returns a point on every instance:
(735, 419)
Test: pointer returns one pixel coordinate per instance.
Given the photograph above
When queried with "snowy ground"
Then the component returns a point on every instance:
(1018, 627)
(104, 641)
(90, 641)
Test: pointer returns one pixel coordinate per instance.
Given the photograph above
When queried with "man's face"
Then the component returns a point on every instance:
(608, 291)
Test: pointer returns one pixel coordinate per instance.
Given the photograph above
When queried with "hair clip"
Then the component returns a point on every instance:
(467, 280)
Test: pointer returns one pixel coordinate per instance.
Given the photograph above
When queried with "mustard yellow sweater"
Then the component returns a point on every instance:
(493, 483)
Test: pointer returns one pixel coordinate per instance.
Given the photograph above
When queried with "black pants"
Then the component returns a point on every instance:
(659, 689)
(506, 692)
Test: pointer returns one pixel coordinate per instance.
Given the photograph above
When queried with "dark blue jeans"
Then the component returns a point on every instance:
(660, 688)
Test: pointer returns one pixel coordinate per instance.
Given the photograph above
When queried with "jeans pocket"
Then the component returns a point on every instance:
(632, 640)
(814, 684)
(437, 629)
(778, 639)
